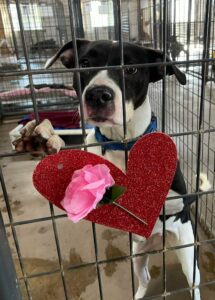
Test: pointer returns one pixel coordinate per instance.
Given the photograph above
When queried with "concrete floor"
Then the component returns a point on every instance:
(39, 254)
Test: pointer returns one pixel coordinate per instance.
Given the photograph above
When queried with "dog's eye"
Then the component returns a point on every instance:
(131, 71)
(84, 63)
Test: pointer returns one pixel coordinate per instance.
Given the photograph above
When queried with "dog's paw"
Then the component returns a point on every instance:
(54, 144)
(140, 293)
(38, 138)
(205, 184)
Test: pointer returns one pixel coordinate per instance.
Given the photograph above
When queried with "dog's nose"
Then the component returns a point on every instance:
(99, 95)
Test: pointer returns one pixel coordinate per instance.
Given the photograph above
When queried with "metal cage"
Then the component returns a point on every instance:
(32, 31)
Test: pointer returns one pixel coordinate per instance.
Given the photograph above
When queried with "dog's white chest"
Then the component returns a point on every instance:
(116, 157)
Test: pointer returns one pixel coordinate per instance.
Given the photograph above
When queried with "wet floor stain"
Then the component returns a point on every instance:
(20, 212)
(50, 286)
(42, 230)
(112, 252)
(155, 272)
(110, 268)
(80, 277)
(37, 265)
(74, 257)
(13, 205)
(110, 235)
(4, 209)
(209, 262)
(208, 266)
(16, 203)
(16, 207)
(44, 287)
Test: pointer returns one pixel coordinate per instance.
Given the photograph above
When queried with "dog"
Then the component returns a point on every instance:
(175, 47)
(102, 100)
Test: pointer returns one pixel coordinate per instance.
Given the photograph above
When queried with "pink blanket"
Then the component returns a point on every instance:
(10, 95)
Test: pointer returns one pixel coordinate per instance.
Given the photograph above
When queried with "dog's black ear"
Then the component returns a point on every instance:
(66, 54)
(157, 72)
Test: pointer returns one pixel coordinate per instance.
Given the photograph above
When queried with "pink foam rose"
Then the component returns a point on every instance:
(86, 189)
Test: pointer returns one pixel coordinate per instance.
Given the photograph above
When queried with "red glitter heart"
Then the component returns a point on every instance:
(151, 167)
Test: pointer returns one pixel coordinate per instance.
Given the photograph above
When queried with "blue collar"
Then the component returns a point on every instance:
(119, 145)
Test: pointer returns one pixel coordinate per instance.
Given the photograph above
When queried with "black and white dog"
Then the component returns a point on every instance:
(102, 103)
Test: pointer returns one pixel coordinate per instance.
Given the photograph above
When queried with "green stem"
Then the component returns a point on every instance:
(130, 213)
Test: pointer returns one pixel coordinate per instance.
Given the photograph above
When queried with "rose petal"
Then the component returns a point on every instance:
(75, 184)
(77, 217)
(79, 202)
(90, 177)
(86, 189)
(94, 185)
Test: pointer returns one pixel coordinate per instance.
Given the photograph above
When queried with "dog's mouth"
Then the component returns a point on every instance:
(100, 120)
(99, 116)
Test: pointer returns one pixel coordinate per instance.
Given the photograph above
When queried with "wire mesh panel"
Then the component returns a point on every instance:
(53, 258)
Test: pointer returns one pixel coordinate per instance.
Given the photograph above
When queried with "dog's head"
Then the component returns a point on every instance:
(102, 90)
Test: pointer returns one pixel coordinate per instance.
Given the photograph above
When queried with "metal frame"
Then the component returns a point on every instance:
(9, 287)
(199, 133)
